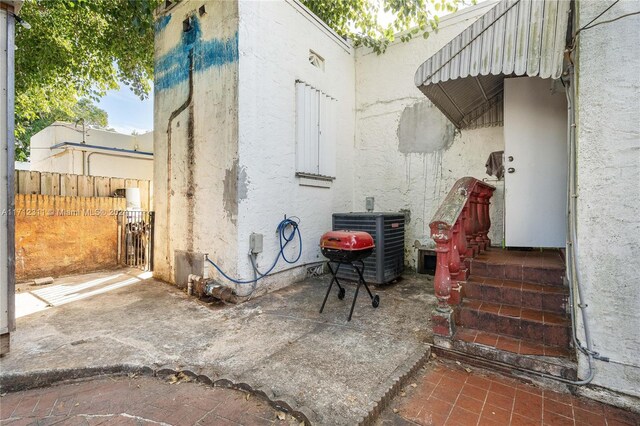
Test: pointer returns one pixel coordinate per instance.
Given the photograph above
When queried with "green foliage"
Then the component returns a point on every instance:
(78, 49)
(360, 20)
(83, 110)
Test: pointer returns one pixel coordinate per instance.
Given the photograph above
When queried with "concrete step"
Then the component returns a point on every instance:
(533, 266)
(517, 293)
(548, 328)
(510, 344)
(472, 346)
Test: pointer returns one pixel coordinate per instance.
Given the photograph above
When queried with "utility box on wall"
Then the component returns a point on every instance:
(386, 263)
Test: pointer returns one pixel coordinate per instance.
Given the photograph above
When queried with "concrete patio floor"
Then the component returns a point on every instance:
(319, 366)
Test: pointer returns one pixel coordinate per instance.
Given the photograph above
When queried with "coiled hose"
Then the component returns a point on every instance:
(285, 238)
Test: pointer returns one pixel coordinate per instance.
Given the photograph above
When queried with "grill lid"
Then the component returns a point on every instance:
(347, 240)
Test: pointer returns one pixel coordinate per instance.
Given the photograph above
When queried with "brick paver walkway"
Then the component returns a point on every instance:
(447, 394)
(137, 401)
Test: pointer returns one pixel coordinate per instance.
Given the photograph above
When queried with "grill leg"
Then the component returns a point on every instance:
(361, 274)
(355, 297)
(335, 274)
(334, 278)
(375, 300)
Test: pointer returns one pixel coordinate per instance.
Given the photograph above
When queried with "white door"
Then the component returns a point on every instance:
(535, 161)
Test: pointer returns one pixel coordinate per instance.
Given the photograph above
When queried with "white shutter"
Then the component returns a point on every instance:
(301, 130)
(315, 131)
(307, 116)
(313, 138)
(327, 160)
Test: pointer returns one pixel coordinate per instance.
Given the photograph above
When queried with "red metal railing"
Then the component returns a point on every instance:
(460, 230)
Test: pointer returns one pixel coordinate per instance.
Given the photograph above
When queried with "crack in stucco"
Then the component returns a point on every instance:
(366, 106)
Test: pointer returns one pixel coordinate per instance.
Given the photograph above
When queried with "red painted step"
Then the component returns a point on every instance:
(517, 293)
(533, 266)
(548, 328)
(509, 344)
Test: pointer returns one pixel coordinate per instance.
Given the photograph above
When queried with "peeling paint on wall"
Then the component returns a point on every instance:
(172, 68)
(424, 129)
(230, 194)
(243, 184)
(196, 135)
(191, 184)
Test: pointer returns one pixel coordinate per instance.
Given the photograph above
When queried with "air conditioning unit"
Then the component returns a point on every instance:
(386, 263)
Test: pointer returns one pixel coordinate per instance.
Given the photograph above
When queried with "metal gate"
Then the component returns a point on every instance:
(135, 239)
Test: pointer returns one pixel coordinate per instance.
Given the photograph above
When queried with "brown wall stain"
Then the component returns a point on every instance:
(230, 194)
(57, 236)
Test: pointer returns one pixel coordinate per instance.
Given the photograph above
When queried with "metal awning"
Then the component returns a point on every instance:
(465, 78)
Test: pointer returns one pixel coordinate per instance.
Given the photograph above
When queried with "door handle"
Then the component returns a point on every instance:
(510, 158)
(511, 170)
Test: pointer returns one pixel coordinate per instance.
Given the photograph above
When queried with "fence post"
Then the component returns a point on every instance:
(152, 219)
(119, 226)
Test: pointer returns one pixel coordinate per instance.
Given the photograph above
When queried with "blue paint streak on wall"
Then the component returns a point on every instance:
(162, 22)
(172, 68)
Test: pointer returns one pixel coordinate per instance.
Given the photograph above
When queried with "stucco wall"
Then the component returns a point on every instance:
(608, 138)
(96, 162)
(245, 183)
(196, 176)
(275, 39)
(408, 153)
(57, 236)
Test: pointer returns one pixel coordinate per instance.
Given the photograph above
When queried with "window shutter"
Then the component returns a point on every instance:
(327, 157)
(307, 119)
(315, 131)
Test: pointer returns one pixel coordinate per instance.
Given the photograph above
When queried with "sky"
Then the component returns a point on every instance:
(127, 113)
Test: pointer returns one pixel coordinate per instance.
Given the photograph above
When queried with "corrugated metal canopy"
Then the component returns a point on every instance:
(465, 78)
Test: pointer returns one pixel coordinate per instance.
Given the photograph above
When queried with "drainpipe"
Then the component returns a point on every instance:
(84, 134)
(84, 141)
(573, 273)
(172, 117)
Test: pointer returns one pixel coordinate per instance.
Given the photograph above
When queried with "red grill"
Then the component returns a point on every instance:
(347, 248)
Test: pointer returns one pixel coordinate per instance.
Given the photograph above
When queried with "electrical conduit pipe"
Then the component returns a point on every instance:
(240, 286)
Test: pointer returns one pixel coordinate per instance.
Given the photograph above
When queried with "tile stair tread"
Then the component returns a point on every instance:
(479, 259)
(549, 302)
(542, 274)
(510, 344)
(501, 309)
(522, 285)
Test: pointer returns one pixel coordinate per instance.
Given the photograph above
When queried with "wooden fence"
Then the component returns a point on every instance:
(58, 236)
(63, 184)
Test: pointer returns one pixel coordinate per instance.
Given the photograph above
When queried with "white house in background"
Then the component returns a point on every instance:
(22, 165)
(67, 148)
